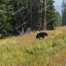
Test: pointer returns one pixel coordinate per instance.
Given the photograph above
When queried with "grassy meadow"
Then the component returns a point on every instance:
(26, 50)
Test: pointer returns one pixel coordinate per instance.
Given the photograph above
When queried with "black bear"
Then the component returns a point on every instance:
(41, 35)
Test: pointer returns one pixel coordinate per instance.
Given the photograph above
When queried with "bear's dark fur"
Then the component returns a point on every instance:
(41, 35)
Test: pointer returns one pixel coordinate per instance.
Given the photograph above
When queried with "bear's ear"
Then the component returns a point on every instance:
(47, 34)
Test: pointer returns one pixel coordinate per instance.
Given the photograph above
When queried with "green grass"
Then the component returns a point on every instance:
(28, 51)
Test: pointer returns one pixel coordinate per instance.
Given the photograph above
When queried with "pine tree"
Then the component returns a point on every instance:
(16, 16)
(51, 13)
(5, 16)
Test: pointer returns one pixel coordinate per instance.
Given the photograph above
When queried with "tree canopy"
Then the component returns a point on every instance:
(17, 16)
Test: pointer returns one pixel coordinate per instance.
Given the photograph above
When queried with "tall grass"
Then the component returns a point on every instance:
(18, 51)
(41, 54)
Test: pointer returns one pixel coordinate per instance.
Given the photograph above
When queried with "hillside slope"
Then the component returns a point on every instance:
(26, 50)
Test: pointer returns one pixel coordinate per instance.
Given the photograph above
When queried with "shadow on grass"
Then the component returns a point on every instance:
(3, 37)
(7, 36)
